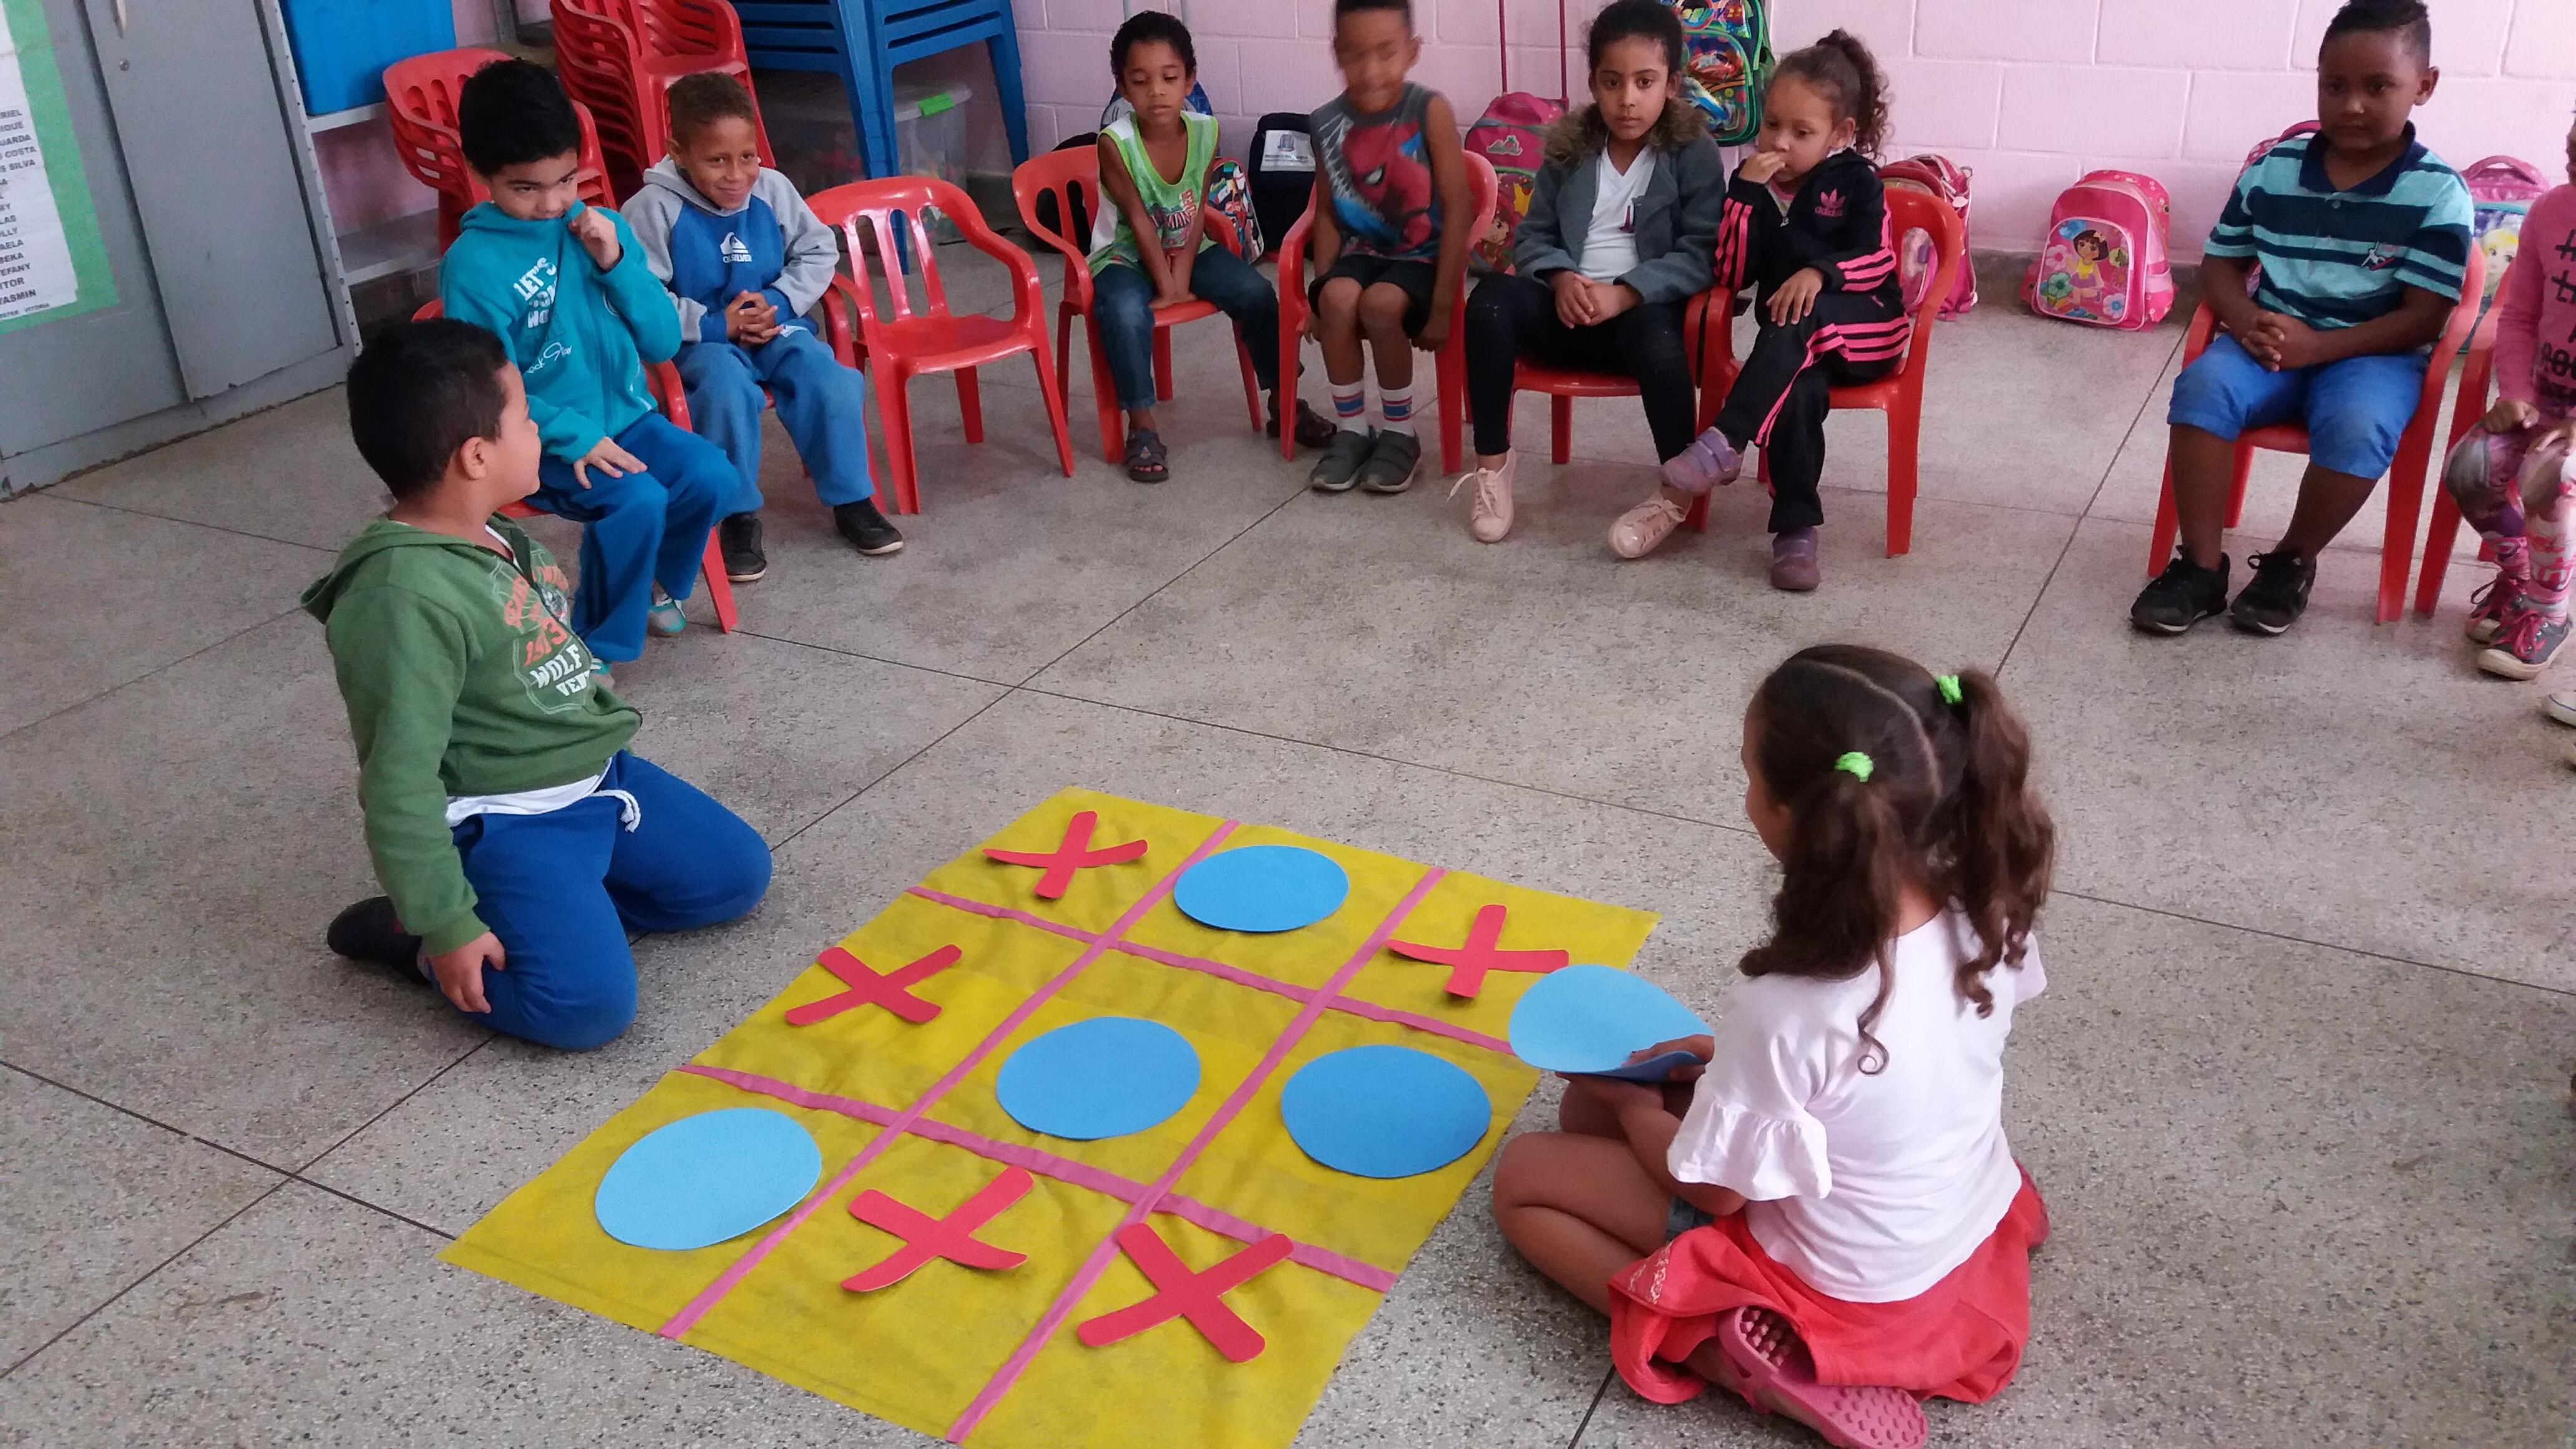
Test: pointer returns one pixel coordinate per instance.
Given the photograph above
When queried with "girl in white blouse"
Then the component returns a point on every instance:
(1826, 1217)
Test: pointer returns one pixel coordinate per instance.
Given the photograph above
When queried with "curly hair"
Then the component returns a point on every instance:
(1841, 66)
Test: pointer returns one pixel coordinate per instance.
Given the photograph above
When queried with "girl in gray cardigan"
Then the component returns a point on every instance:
(1621, 227)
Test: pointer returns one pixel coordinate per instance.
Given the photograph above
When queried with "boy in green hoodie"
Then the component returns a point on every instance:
(567, 289)
(517, 841)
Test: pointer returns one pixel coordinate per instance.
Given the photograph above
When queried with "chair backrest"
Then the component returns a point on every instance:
(605, 49)
(420, 106)
(1911, 210)
(1068, 183)
(886, 213)
(687, 27)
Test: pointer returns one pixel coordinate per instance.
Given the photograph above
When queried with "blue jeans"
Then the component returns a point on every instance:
(1123, 304)
(823, 405)
(640, 530)
(561, 890)
(2354, 410)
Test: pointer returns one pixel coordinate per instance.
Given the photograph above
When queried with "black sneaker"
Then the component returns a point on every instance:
(738, 539)
(2277, 595)
(369, 931)
(866, 529)
(2181, 596)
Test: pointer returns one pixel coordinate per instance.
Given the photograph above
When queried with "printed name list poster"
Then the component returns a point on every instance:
(51, 261)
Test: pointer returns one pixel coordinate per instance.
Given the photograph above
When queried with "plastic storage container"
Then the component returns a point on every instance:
(343, 46)
(818, 143)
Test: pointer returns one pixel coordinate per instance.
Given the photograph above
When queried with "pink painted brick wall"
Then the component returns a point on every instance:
(2030, 93)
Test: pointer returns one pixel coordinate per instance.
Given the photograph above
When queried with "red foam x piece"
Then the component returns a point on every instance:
(1074, 854)
(1468, 963)
(925, 1237)
(1181, 1293)
(867, 986)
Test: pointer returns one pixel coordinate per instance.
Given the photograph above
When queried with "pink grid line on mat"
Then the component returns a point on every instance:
(1137, 1212)
(708, 1297)
(1063, 1169)
(1227, 971)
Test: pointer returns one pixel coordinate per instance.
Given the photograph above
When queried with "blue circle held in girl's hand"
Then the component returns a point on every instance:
(1105, 1077)
(1262, 888)
(703, 1179)
(1385, 1111)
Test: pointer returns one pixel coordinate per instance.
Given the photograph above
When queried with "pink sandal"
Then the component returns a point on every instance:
(1780, 1377)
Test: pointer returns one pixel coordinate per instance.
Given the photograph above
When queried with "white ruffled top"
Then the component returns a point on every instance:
(1869, 1187)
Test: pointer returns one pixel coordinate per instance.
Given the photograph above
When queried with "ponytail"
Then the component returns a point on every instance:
(1841, 65)
(2002, 844)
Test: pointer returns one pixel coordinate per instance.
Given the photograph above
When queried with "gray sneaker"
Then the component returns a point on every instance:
(1392, 463)
(1339, 468)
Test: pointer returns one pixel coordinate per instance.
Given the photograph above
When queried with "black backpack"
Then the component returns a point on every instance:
(1080, 232)
(1282, 168)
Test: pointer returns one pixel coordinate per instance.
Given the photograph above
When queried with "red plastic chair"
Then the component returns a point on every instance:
(620, 57)
(906, 343)
(1712, 370)
(1057, 174)
(420, 95)
(1900, 393)
(667, 393)
(1449, 364)
(2467, 407)
(2405, 474)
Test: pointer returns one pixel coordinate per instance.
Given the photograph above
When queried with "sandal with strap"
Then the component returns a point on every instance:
(1314, 430)
(1780, 1376)
(1146, 460)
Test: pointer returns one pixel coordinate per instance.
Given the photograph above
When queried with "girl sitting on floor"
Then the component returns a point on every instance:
(1616, 243)
(1826, 1218)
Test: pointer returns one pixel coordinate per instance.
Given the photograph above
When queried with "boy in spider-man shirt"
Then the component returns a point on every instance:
(1388, 168)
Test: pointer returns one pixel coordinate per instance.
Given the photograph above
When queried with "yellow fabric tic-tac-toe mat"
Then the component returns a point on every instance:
(994, 1357)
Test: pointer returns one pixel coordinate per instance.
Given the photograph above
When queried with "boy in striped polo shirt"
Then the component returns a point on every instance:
(2363, 238)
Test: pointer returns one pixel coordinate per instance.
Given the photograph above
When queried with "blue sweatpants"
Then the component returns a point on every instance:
(2354, 410)
(823, 405)
(637, 531)
(561, 891)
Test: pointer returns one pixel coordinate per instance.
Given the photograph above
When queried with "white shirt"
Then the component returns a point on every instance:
(1610, 243)
(1869, 1187)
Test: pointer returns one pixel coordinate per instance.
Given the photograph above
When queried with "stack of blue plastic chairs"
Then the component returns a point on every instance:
(862, 41)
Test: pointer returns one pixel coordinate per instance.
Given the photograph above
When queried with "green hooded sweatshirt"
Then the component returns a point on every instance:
(580, 336)
(461, 678)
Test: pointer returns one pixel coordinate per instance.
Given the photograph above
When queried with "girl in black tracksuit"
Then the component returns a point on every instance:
(1805, 224)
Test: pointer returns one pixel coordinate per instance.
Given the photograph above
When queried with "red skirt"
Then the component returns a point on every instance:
(1959, 1339)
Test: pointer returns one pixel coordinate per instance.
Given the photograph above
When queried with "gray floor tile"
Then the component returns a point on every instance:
(95, 1200)
(97, 597)
(313, 1320)
(289, 473)
(1544, 660)
(2348, 783)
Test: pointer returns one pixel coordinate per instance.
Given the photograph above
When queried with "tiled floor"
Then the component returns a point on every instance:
(2298, 1092)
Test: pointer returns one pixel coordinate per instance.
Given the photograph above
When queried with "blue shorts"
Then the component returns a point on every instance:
(2354, 410)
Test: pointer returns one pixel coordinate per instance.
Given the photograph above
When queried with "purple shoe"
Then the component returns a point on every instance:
(1709, 462)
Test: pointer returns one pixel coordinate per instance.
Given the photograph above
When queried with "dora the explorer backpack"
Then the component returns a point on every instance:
(1512, 137)
(1917, 256)
(1728, 49)
(2103, 261)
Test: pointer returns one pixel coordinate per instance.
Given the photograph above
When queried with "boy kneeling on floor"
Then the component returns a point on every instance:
(517, 840)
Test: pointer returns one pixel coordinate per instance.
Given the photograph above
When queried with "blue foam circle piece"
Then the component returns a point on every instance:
(1589, 1019)
(1385, 1111)
(1105, 1077)
(1262, 888)
(703, 1179)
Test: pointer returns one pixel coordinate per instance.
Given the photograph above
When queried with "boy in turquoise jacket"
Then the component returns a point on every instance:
(517, 840)
(567, 290)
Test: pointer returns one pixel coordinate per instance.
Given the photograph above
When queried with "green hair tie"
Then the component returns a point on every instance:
(1949, 686)
(1856, 765)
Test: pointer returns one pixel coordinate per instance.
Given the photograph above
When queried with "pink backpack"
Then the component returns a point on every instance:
(1512, 137)
(1917, 256)
(2503, 187)
(2104, 259)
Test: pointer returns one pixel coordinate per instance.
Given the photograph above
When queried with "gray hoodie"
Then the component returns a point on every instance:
(773, 245)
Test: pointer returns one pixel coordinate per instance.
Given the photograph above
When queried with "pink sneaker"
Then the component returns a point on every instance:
(1781, 1378)
(1709, 462)
(1644, 526)
(2489, 606)
(1489, 508)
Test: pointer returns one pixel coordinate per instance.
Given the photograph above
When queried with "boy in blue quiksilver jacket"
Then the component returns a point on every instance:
(747, 259)
(566, 289)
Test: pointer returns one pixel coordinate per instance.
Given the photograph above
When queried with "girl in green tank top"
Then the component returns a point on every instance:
(1150, 247)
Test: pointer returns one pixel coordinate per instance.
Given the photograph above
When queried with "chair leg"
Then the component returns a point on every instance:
(1252, 388)
(2439, 538)
(1904, 440)
(1162, 363)
(2397, 543)
(2160, 545)
(1054, 404)
(894, 404)
(1291, 357)
(1063, 351)
(711, 571)
(1560, 429)
(970, 404)
(1005, 46)
(1104, 395)
(1697, 518)
(2237, 485)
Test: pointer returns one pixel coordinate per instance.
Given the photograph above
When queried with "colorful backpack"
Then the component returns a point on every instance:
(1728, 44)
(2104, 259)
(2503, 187)
(1512, 136)
(1917, 256)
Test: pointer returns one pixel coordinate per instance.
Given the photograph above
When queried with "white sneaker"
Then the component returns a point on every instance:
(2560, 706)
(1489, 508)
(1644, 526)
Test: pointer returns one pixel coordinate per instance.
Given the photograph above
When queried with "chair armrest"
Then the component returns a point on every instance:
(1077, 262)
(1030, 297)
(1291, 256)
(665, 382)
